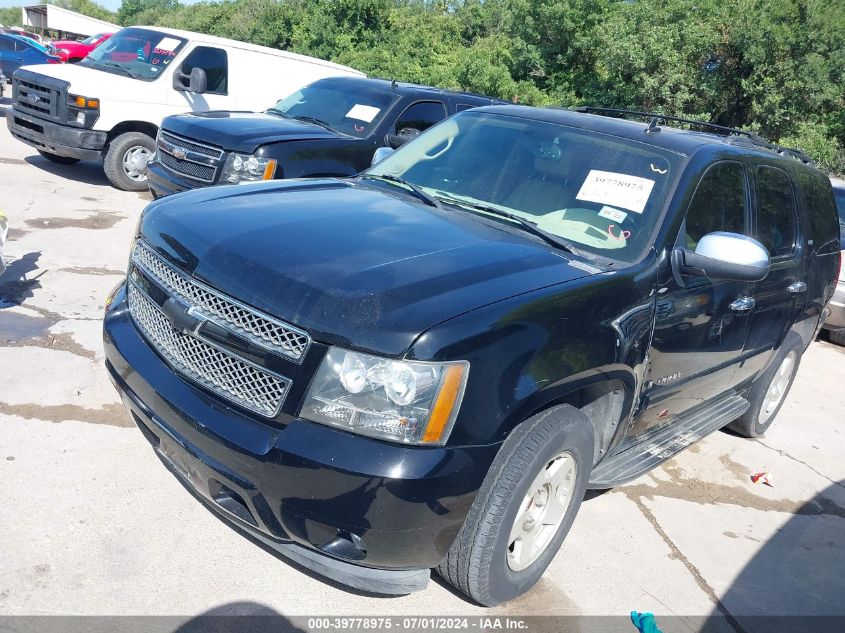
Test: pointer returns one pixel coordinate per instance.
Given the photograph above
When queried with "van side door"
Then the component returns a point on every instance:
(214, 62)
(700, 327)
(781, 296)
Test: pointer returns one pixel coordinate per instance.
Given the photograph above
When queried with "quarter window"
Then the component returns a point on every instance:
(718, 204)
(776, 222)
(421, 116)
(821, 211)
(214, 62)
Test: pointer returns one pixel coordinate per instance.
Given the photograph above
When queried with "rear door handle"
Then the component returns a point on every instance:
(743, 304)
(797, 287)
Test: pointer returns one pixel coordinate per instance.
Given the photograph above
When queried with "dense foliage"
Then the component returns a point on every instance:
(773, 66)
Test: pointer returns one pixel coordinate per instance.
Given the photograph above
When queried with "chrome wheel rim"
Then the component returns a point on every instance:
(777, 388)
(542, 511)
(135, 162)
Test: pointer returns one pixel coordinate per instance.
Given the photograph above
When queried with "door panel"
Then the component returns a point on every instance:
(698, 336)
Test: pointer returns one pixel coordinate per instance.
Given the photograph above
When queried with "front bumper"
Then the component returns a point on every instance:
(62, 140)
(836, 318)
(371, 515)
(163, 183)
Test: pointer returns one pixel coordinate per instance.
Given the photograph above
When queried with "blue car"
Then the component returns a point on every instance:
(17, 51)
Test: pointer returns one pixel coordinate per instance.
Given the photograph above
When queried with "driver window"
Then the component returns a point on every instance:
(718, 204)
(214, 62)
(420, 116)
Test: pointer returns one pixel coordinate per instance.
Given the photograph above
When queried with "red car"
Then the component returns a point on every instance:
(70, 51)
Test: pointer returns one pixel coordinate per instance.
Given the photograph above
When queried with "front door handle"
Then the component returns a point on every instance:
(743, 304)
(797, 287)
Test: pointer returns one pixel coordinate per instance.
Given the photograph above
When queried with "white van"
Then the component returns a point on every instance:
(111, 103)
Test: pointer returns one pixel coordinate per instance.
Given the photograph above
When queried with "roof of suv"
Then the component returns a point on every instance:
(681, 141)
(403, 88)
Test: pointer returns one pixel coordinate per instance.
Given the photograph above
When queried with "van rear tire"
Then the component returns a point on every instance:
(125, 162)
(59, 160)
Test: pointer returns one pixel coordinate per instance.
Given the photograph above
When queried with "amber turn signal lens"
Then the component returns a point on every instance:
(269, 170)
(80, 102)
(441, 414)
(93, 103)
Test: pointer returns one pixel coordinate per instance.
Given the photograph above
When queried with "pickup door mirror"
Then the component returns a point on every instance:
(195, 82)
(380, 154)
(723, 256)
(402, 136)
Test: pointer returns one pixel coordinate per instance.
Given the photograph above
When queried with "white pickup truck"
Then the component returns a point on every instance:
(111, 104)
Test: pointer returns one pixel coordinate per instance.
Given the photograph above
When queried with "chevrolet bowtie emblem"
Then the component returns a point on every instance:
(182, 317)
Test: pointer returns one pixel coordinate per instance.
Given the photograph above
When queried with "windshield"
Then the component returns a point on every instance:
(598, 192)
(347, 107)
(91, 39)
(137, 53)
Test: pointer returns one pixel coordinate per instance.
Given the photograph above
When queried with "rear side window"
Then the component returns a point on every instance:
(214, 62)
(776, 219)
(6, 45)
(464, 106)
(821, 212)
(421, 116)
(839, 194)
(718, 204)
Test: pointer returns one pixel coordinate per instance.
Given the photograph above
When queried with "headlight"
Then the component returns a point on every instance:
(401, 401)
(243, 167)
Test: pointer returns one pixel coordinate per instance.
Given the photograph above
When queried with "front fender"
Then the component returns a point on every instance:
(528, 352)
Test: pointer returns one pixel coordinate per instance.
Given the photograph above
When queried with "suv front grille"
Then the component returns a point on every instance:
(38, 100)
(219, 371)
(249, 323)
(187, 157)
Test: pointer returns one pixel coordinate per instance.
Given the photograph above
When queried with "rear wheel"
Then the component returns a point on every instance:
(837, 337)
(125, 163)
(524, 509)
(60, 160)
(770, 389)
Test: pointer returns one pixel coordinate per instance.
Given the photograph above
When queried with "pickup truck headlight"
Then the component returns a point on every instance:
(83, 111)
(245, 167)
(402, 401)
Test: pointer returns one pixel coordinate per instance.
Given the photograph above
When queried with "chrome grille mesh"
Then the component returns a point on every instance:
(255, 326)
(188, 168)
(221, 372)
(199, 148)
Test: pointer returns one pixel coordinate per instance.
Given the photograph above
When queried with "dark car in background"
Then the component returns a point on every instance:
(329, 128)
(427, 365)
(17, 51)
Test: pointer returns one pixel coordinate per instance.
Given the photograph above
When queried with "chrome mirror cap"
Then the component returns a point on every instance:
(733, 248)
(380, 154)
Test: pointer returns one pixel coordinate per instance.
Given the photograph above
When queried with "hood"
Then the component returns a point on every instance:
(69, 44)
(242, 131)
(103, 85)
(354, 265)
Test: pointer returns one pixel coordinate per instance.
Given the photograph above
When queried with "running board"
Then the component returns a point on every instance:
(633, 461)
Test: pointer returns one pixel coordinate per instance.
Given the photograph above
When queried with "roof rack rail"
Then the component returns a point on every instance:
(654, 118)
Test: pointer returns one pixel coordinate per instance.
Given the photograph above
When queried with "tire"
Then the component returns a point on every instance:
(121, 169)
(837, 336)
(482, 563)
(59, 160)
(759, 417)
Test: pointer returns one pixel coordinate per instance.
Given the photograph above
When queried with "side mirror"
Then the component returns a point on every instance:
(197, 81)
(380, 154)
(401, 137)
(722, 256)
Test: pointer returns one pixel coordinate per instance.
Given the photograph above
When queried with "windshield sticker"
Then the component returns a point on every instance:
(167, 45)
(657, 170)
(612, 214)
(619, 190)
(363, 113)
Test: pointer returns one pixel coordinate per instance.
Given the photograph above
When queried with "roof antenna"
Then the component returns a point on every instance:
(393, 83)
(652, 125)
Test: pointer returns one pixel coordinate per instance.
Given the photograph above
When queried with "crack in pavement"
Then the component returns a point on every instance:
(677, 554)
(799, 461)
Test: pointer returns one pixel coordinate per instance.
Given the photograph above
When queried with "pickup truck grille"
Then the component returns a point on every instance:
(217, 370)
(188, 158)
(36, 99)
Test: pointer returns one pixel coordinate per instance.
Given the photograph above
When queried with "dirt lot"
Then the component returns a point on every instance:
(91, 523)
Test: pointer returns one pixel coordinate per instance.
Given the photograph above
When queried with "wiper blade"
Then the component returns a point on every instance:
(528, 225)
(284, 115)
(315, 121)
(418, 192)
(122, 69)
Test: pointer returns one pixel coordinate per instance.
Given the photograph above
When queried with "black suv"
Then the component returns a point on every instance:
(426, 366)
(329, 128)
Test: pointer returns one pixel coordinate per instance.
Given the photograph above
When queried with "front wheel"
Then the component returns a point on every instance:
(125, 163)
(59, 160)
(524, 509)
